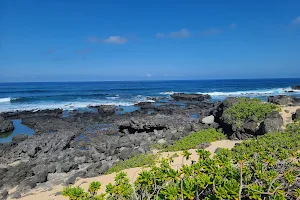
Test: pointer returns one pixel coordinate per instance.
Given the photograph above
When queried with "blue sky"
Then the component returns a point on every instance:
(94, 40)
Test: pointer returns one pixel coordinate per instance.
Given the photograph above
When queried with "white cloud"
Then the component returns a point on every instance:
(183, 33)
(116, 40)
(149, 75)
(160, 35)
(296, 21)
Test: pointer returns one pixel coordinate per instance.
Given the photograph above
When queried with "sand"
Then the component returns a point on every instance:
(54, 192)
(286, 113)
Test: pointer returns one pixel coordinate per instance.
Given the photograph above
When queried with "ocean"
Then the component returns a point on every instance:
(79, 95)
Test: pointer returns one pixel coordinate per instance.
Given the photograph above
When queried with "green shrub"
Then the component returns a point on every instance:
(257, 169)
(246, 109)
(192, 140)
(142, 160)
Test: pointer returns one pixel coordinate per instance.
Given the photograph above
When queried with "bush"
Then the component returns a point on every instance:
(256, 169)
(196, 138)
(142, 160)
(246, 109)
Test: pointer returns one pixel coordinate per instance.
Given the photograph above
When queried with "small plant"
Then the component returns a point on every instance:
(196, 138)
(142, 160)
(77, 193)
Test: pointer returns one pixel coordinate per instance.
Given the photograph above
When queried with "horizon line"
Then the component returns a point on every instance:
(158, 80)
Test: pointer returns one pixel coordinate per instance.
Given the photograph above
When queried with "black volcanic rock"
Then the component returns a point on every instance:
(284, 100)
(296, 115)
(296, 87)
(190, 97)
(5, 125)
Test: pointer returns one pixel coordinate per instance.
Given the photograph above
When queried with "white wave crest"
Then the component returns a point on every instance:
(112, 98)
(5, 100)
(168, 93)
(266, 92)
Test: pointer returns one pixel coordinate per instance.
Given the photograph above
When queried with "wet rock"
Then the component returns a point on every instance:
(5, 125)
(190, 97)
(208, 120)
(107, 109)
(296, 87)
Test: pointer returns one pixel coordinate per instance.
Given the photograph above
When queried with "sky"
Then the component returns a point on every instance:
(98, 40)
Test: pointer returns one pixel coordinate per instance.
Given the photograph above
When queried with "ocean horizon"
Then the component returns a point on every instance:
(82, 94)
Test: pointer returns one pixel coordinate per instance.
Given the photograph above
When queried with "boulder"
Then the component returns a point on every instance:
(208, 120)
(284, 100)
(272, 123)
(5, 125)
(41, 177)
(107, 109)
(190, 97)
(125, 153)
(251, 127)
(161, 141)
(296, 115)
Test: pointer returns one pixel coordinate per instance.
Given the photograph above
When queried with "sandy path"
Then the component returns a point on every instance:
(54, 193)
(286, 113)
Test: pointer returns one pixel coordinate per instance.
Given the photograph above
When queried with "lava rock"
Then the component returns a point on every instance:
(19, 138)
(284, 100)
(272, 123)
(296, 115)
(5, 125)
(190, 97)
(296, 87)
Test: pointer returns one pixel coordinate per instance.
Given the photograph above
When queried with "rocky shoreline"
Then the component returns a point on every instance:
(87, 144)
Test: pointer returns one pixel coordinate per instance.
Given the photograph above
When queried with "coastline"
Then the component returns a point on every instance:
(85, 144)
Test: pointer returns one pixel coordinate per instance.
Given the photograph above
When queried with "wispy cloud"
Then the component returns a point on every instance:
(83, 52)
(232, 26)
(211, 32)
(296, 21)
(160, 35)
(149, 75)
(182, 33)
(116, 40)
(93, 39)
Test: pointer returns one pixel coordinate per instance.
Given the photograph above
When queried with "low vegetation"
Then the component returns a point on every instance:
(142, 160)
(247, 108)
(264, 168)
(192, 140)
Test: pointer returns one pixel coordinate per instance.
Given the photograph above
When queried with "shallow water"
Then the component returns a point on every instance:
(19, 129)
